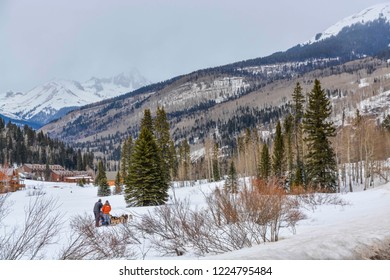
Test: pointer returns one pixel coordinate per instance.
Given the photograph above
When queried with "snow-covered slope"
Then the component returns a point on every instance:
(333, 232)
(55, 98)
(380, 11)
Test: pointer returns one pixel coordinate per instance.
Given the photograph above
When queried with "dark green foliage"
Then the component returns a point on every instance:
(101, 181)
(148, 176)
(25, 145)
(145, 185)
(321, 164)
(165, 143)
(298, 100)
(118, 184)
(278, 152)
(147, 120)
(80, 165)
(288, 138)
(265, 163)
(47, 173)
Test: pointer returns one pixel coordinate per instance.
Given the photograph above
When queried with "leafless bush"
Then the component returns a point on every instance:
(4, 207)
(229, 222)
(88, 242)
(41, 226)
(309, 199)
(165, 226)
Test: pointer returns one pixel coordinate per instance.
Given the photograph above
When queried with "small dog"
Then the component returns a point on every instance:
(119, 220)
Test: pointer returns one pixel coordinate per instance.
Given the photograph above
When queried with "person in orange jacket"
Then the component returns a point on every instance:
(106, 213)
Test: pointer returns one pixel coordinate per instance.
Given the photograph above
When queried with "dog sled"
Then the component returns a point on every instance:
(116, 220)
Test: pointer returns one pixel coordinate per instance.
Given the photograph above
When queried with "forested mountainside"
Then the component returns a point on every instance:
(201, 107)
(25, 145)
(221, 102)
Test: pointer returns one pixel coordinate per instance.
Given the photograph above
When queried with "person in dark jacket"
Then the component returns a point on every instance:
(96, 211)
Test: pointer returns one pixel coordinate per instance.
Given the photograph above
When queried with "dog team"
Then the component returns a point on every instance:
(102, 215)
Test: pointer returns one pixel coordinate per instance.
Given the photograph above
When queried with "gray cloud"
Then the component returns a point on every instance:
(73, 39)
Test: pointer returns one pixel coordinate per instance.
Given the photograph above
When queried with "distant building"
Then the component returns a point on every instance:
(72, 176)
(57, 173)
(10, 180)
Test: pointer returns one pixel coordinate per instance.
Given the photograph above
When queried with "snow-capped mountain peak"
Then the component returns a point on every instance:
(379, 11)
(56, 97)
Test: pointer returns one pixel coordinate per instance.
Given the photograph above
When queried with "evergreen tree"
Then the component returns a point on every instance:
(231, 183)
(79, 160)
(320, 160)
(147, 121)
(145, 184)
(278, 152)
(298, 100)
(265, 163)
(23, 145)
(47, 172)
(101, 181)
(164, 141)
(288, 132)
(99, 173)
(118, 184)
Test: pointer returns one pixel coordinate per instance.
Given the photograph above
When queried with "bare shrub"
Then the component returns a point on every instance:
(41, 226)
(311, 199)
(166, 227)
(4, 207)
(229, 222)
(89, 242)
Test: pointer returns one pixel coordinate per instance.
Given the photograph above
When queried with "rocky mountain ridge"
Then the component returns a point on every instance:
(57, 97)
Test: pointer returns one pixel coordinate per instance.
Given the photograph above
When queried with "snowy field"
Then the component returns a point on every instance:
(353, 231)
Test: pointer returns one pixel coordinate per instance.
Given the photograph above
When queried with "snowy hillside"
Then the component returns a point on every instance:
(55, 98)
(349, 231)
(380, 11)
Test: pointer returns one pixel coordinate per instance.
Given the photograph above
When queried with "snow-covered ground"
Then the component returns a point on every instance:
(334, 232)
(354, 231)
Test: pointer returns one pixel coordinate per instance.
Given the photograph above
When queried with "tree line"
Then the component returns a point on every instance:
(20, 145)
(304, 151)
(299, 153)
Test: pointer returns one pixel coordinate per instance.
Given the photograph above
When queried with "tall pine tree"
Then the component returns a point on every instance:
(101, 181)
(320, 160)
(164, 142)
(265, 163)
(298, 100)
(278, 152)
(146, 184)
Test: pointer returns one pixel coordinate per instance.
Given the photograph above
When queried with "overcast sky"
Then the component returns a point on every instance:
(76, 39)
